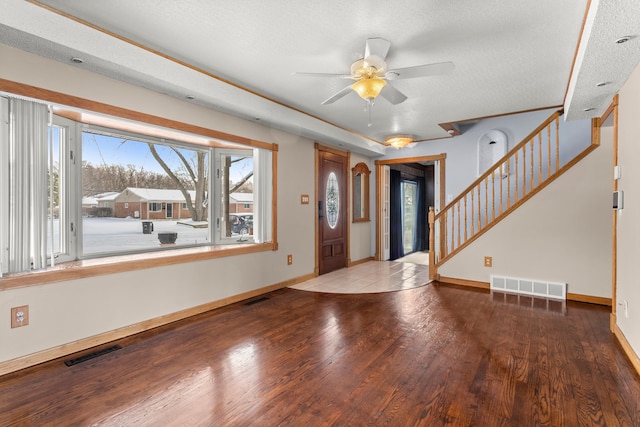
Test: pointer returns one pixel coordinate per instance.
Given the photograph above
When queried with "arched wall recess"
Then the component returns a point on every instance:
(360, 190)
(492, 146)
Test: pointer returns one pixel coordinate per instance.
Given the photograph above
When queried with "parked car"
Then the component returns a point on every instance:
(241, 223)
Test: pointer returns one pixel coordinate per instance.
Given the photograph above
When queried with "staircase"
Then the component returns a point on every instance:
(541, 157)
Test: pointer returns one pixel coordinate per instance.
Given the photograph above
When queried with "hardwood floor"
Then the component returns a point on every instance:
(431, 355)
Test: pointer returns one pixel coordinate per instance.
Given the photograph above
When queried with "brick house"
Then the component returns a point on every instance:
(151, 203)
(241, 203)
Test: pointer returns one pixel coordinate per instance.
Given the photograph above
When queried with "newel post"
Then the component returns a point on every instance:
(432, 238)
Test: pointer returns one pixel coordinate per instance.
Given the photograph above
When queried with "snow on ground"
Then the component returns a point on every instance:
(125, 234)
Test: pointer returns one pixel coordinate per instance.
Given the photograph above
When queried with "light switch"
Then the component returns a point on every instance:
(304, 199)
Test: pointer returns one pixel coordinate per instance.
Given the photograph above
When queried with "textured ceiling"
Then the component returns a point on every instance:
(239, 56)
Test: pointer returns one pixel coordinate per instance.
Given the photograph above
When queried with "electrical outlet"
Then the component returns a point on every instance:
(289, 259)
(488, 261)
(19, 316)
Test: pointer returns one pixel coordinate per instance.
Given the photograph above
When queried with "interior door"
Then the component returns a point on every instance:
(332, 212)
(386, 209)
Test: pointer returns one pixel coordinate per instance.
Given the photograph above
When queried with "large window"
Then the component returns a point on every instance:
(114, 191)
(142, 183)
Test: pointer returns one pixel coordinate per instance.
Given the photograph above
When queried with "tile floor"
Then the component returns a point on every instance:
(370, 277)
(416, 258)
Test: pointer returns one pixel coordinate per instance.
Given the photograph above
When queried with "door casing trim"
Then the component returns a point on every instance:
(379, 164)
(320, 147)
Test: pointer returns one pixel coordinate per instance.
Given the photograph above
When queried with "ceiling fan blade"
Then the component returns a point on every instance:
(420, 71)
(377, 46)
(330, 75)
(393, 95)
(337, 96)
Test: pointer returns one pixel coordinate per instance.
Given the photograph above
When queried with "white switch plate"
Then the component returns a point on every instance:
(626, 309)
(617, 172)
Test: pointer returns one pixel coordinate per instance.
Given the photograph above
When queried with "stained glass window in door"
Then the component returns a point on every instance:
(333, 200)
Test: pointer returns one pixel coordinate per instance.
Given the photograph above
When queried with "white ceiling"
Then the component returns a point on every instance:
(239, 56)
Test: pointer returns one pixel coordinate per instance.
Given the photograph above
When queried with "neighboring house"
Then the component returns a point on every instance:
(106, 202)
(240, 202)
(151, 203)
(89, 202)
(99, 204)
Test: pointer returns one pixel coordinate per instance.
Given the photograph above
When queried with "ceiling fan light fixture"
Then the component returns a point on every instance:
(369, 88)
(399, 141)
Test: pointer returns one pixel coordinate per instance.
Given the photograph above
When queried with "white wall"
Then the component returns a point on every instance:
(628, 233)
(462, 151)
(563, 234)
(72, 310)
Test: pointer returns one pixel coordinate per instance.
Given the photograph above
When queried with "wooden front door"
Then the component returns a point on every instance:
(332, 211)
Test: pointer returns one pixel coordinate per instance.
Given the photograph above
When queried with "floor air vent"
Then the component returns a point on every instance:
(539, 288)
(255, 301)
(92, 355)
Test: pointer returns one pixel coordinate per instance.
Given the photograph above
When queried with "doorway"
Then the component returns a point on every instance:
(405, 189)
(332, 208)
(409, 217)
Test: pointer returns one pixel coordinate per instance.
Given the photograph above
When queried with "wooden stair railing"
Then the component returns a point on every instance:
(516, 177)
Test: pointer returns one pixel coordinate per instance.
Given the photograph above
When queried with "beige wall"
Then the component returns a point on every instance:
(628, 233)
(72, 310)
(563, 234)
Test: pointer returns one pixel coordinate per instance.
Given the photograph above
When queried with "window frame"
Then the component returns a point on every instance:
(149, 204)
(214, 236)
(86, 111)
(70, 177)
(4, 184)
(220, 225)
(138, 137)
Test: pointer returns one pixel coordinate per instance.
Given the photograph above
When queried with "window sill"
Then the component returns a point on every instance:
(119, 264)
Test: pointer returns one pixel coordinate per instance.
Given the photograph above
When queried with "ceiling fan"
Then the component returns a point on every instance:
(371, 74)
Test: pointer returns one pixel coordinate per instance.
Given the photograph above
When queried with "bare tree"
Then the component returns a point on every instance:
(195, 178)
(105, 178)
(237, 186)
